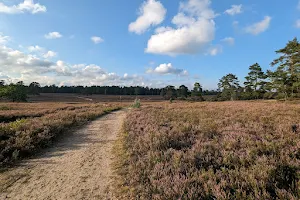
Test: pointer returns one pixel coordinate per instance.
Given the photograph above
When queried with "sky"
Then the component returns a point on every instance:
(151, 43)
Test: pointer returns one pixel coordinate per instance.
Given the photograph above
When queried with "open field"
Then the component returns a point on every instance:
(27, 127)
(61, 97)
(180, 150)
(12, 111)
(227, 150)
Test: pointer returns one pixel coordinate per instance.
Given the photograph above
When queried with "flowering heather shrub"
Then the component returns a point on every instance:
(226, 150)
(10, 112)
(23, 137)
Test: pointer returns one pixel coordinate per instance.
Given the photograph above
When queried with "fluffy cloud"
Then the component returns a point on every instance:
(151, 13)
(16, 65)
(14, 61)
(213, 51)
(95, 75)
(41, 51)
(193, 32)
(97, 40)
(3, 38)
(259, 27)
(234, 10)
(26, 6)
(229, 40)
(165, 69)
(50, 54)
(53, 35)
(29, 64)
(35, 48)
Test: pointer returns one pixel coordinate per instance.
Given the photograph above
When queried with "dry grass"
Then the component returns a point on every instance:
(227, 150)
(39, 123)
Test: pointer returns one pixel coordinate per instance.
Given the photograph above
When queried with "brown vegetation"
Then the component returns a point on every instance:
(12, 111)
(228, 150)
(38, 124)
(52, 97)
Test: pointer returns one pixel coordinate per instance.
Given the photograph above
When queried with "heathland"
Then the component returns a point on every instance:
(27, 127)
(225, 150)
(166, 149)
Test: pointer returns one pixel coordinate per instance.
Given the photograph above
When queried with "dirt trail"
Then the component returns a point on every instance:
(77, 167)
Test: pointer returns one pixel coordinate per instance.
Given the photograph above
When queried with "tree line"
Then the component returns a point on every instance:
(282, 83)
(19, 91)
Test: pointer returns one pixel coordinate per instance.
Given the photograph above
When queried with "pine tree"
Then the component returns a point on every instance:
(286, 78)
(255, 81)
(229, 85)
(183, 91)
(197, 91)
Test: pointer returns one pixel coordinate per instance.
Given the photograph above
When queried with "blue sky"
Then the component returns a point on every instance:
(151, 43)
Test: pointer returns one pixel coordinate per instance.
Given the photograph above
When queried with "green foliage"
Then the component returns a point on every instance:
(34, 88)
(229, 86)
(286, 78)
(196, 94)
(5, 108)
(169, 92)
(136, 103)
(197, 91)
(14, 92)
(183, 91)
(255, 82)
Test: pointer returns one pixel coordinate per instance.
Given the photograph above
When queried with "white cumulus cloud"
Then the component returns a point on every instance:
(151, 13)
(215, 50)
(165, 69)
(40, 51)
(53, 35)
(259, 27)
(50, 54)
(35, 48)
(3, 38)
(193, 32)
(16, 65)
(97, 39)
(15, 61)
(234, 10)
(26, 6)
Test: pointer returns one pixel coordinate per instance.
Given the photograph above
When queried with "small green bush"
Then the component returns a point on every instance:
(5, 108)
(136, 103)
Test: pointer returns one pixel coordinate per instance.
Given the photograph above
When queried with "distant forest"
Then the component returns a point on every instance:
(19, 91)
(282, 83)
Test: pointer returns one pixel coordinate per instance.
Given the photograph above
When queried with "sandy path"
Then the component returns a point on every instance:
(77, 167)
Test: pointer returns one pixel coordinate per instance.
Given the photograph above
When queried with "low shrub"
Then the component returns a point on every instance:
(136, 103)
(25, 136)
(223, 150)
